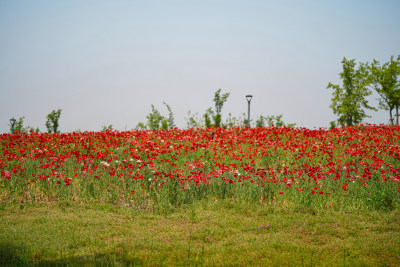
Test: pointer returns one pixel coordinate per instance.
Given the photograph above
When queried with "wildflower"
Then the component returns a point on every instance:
(105, 163)
(345, 186)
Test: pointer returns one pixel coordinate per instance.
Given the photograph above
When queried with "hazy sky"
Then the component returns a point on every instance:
(106, 62)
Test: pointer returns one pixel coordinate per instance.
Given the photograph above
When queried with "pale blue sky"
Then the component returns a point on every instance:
(106, 62)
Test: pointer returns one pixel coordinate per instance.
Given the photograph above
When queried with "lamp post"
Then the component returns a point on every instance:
(12, 124)
(248, 97)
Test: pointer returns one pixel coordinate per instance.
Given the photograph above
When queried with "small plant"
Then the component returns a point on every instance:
(157, 121)
(260, 121)
(141, 126)
(32, 129)
(193, 120)
(232, 121)
(107, 128)
(272, 121)
(245, 121)
(52, 121)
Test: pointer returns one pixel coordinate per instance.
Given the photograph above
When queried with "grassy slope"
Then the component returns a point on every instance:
(213, 233)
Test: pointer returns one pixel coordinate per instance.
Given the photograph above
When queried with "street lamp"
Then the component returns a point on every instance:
(248, 97)
(12, 123)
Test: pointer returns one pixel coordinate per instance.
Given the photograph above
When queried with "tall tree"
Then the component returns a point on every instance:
(385, 80)
(349, 101)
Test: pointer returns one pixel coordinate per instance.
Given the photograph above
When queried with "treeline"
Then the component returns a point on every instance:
(349, 103)
(211, 118)
(155, 120)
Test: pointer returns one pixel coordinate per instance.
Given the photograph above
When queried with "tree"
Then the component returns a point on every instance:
(52, 121)
(157, 121)
(385, 80)
(219, 103)
(154, 119)
(348, 101)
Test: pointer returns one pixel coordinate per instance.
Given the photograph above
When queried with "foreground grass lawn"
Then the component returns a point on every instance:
(210, 233)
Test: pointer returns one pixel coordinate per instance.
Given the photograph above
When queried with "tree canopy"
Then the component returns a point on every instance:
(349, 100)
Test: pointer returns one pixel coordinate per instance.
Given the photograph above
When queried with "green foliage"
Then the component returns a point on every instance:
(272, 121)
(168, 123)
(207, 117)
(278, 120)
(32, 129)
(157, 121)
(154, 119)
(348, 101)
(245, 120)
(232, 121)
(17, 126)
(52, 121)
(141, 126)
(260, 121)
(217, 120)
(385, 80)
(193, 120)
(219, 101)
(216, 115)
(107, 128)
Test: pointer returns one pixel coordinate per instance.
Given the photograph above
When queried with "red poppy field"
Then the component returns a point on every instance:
(340, 169)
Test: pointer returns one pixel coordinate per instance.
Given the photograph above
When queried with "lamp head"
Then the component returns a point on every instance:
(249, 97)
